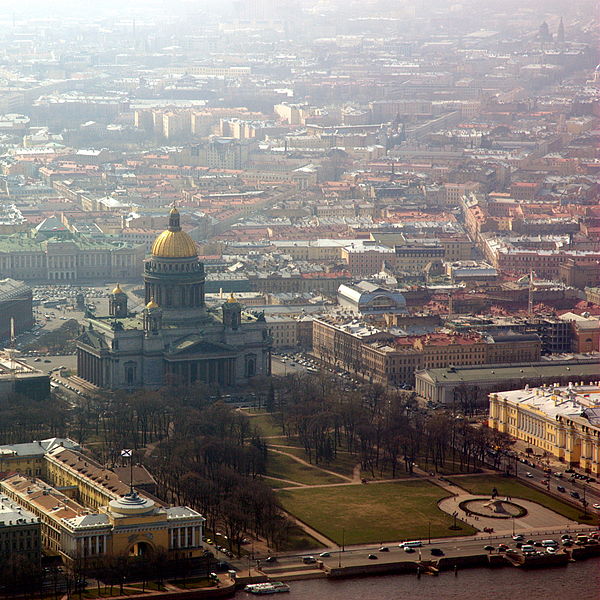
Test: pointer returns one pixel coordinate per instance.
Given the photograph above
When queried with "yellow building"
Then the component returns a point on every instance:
(130, 525)
(563, 421)
(95, 485)
(29, 458)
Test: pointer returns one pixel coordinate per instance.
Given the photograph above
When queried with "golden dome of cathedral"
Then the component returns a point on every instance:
(117, 291)
(174, 243)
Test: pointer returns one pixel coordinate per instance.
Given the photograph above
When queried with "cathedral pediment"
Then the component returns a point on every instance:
(196, 344)
(93, 339)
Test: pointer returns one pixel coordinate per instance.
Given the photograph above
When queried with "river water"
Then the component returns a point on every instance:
(577, 581)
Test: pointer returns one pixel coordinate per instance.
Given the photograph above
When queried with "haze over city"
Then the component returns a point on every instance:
(299, 297)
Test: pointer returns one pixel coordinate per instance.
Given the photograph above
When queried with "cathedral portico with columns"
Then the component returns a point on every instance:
(175, 339)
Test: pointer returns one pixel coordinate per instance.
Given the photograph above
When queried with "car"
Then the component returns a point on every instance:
(566, 536)
(575, 495)
(528, 474)
(270, 559)
(518, 537)
(519, 544)
(592, 479)
(527, 549)
(549, 543)
(489, 548)
(538, 544)
(325, 554)
(37, 360)
(384, 549)
(558, 474)
(569, 470)
(408, 549)
(561, 488)
(567, 543)
(308, 560)
(596, 506)
(551, 550)
(437, 552)
(372, 557)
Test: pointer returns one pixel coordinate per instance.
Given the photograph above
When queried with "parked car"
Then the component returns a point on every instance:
(561, 488)
(575, 495)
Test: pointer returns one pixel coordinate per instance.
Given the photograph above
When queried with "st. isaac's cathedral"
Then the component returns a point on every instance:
(175, 339)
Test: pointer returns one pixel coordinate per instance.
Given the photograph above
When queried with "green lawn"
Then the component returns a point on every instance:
(375, 512)
(508, 486)
(285, 467)
(275, 484)
(192, 583)
(150, 585)
(266, 424)
(299, 540)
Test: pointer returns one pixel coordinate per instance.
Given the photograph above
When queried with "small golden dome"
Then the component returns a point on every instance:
(151, 304)
(174, 244)
(117, 290)
(231, 299)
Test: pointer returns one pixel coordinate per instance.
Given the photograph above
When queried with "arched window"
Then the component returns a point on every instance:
(250, 370)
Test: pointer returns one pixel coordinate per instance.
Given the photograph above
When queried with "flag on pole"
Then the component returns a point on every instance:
(127, 453)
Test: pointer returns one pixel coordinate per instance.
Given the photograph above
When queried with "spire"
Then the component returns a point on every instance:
(560, 34)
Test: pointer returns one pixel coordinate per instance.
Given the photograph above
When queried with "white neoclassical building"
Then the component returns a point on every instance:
(563, 421)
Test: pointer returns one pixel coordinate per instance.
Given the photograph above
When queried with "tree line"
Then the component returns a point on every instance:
(383, 428)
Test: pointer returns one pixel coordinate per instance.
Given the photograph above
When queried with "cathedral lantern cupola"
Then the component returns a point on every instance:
(232, 313)
(117, 302)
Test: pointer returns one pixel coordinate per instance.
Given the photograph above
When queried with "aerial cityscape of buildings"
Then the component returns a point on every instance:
(214, 206)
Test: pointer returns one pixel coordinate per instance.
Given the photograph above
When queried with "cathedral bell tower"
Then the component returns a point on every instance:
(117, 302)
(232, 314)
(152, 316)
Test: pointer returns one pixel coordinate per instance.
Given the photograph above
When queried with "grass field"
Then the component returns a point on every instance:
(266, 425)
(507, 486)
(285, 467)
(275, 483)
(376, 512)
(298, 539)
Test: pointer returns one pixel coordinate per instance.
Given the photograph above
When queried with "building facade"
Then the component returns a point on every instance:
(52, 254)
(176, 339)
(563, 421)
(19, 533)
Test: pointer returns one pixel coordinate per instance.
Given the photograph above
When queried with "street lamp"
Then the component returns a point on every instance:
(429, 531)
